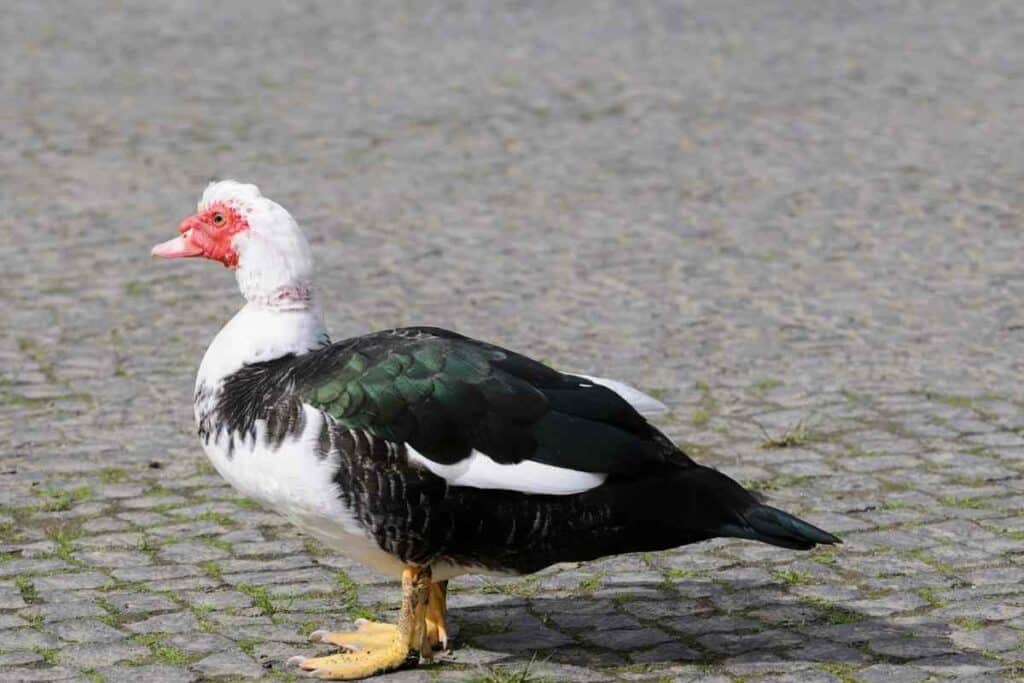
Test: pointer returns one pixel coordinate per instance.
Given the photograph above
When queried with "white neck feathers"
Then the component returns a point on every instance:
(260, 333)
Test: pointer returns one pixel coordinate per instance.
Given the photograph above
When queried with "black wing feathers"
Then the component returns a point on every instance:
(446, 395)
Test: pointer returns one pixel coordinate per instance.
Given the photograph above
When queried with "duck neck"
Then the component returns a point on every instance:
(286, 321)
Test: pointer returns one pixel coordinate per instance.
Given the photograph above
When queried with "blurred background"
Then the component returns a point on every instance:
(769, 214)
(826, 193)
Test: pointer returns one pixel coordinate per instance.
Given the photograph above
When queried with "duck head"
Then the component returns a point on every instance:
(256, 237)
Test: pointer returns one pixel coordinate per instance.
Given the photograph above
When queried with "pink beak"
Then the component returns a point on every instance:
(179, 247)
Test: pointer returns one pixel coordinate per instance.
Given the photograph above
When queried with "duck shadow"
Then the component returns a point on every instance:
(752, 627)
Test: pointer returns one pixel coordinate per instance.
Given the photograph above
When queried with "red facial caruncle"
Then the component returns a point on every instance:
(207, 234)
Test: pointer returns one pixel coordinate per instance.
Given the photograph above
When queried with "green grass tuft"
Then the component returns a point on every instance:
(205, 468)
(797, 435)
(706, 407)
(59, 500)
(347, 588)
(162, 652)
(836, 614)
(27, 589)
(782, 481)
(677, 574)
(970, 624)
(213, 570)
(930, 595)
(113, 475)
(526, 588)
(792, 578)
(500, 673)
(841, 670)
(221, 518)
(313, 547)
(35, 620)
(215, 542)
(766, 384)
(951, 400)
(260, 596)
(63, 536)
(826, 556)
(963, 502)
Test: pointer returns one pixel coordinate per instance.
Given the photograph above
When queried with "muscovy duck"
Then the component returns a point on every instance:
(425, 454)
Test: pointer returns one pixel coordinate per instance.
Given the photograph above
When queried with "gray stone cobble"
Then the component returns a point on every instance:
(797, 223)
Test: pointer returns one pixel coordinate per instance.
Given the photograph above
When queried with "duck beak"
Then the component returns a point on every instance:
(181, 246)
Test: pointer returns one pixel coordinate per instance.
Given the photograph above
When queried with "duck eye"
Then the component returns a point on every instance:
(218, 218)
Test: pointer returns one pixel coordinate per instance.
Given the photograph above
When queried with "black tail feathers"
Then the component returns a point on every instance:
(725, 508)
(771, 525)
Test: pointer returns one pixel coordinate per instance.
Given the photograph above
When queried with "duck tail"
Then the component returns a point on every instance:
(727, 509)
(776, 527)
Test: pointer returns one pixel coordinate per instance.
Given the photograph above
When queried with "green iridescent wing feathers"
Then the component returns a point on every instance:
(446, 395)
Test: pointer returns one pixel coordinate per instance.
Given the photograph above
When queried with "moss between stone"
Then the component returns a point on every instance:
(963, 502)
(782, 481)
(766, 384)
(60, 500)
(970, 624)
(313, 547)
(62, 535)
(950, 399)
(222, 518)
(162, 652)
(213, 570)
(27, 589)
(525, 588)
(797, 435)
(824, 556)
(930, 595)
(348, 592)
(500, 673)
(247, 645)
(34, 619)
(261, 598)
(215, 542)
(792, 578)
(836, 614)
(113, 475)
(844, 672)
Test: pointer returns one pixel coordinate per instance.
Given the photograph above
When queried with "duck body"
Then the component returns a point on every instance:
(421, 446)
(425, 454)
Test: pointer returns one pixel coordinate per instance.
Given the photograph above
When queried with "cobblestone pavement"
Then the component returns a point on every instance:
(799, 223)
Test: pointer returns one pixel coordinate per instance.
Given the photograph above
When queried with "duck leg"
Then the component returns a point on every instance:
(378, 648)
(436, 636)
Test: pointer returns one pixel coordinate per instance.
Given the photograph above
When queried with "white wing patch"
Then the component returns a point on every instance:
(481, 472)
(641, 402)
